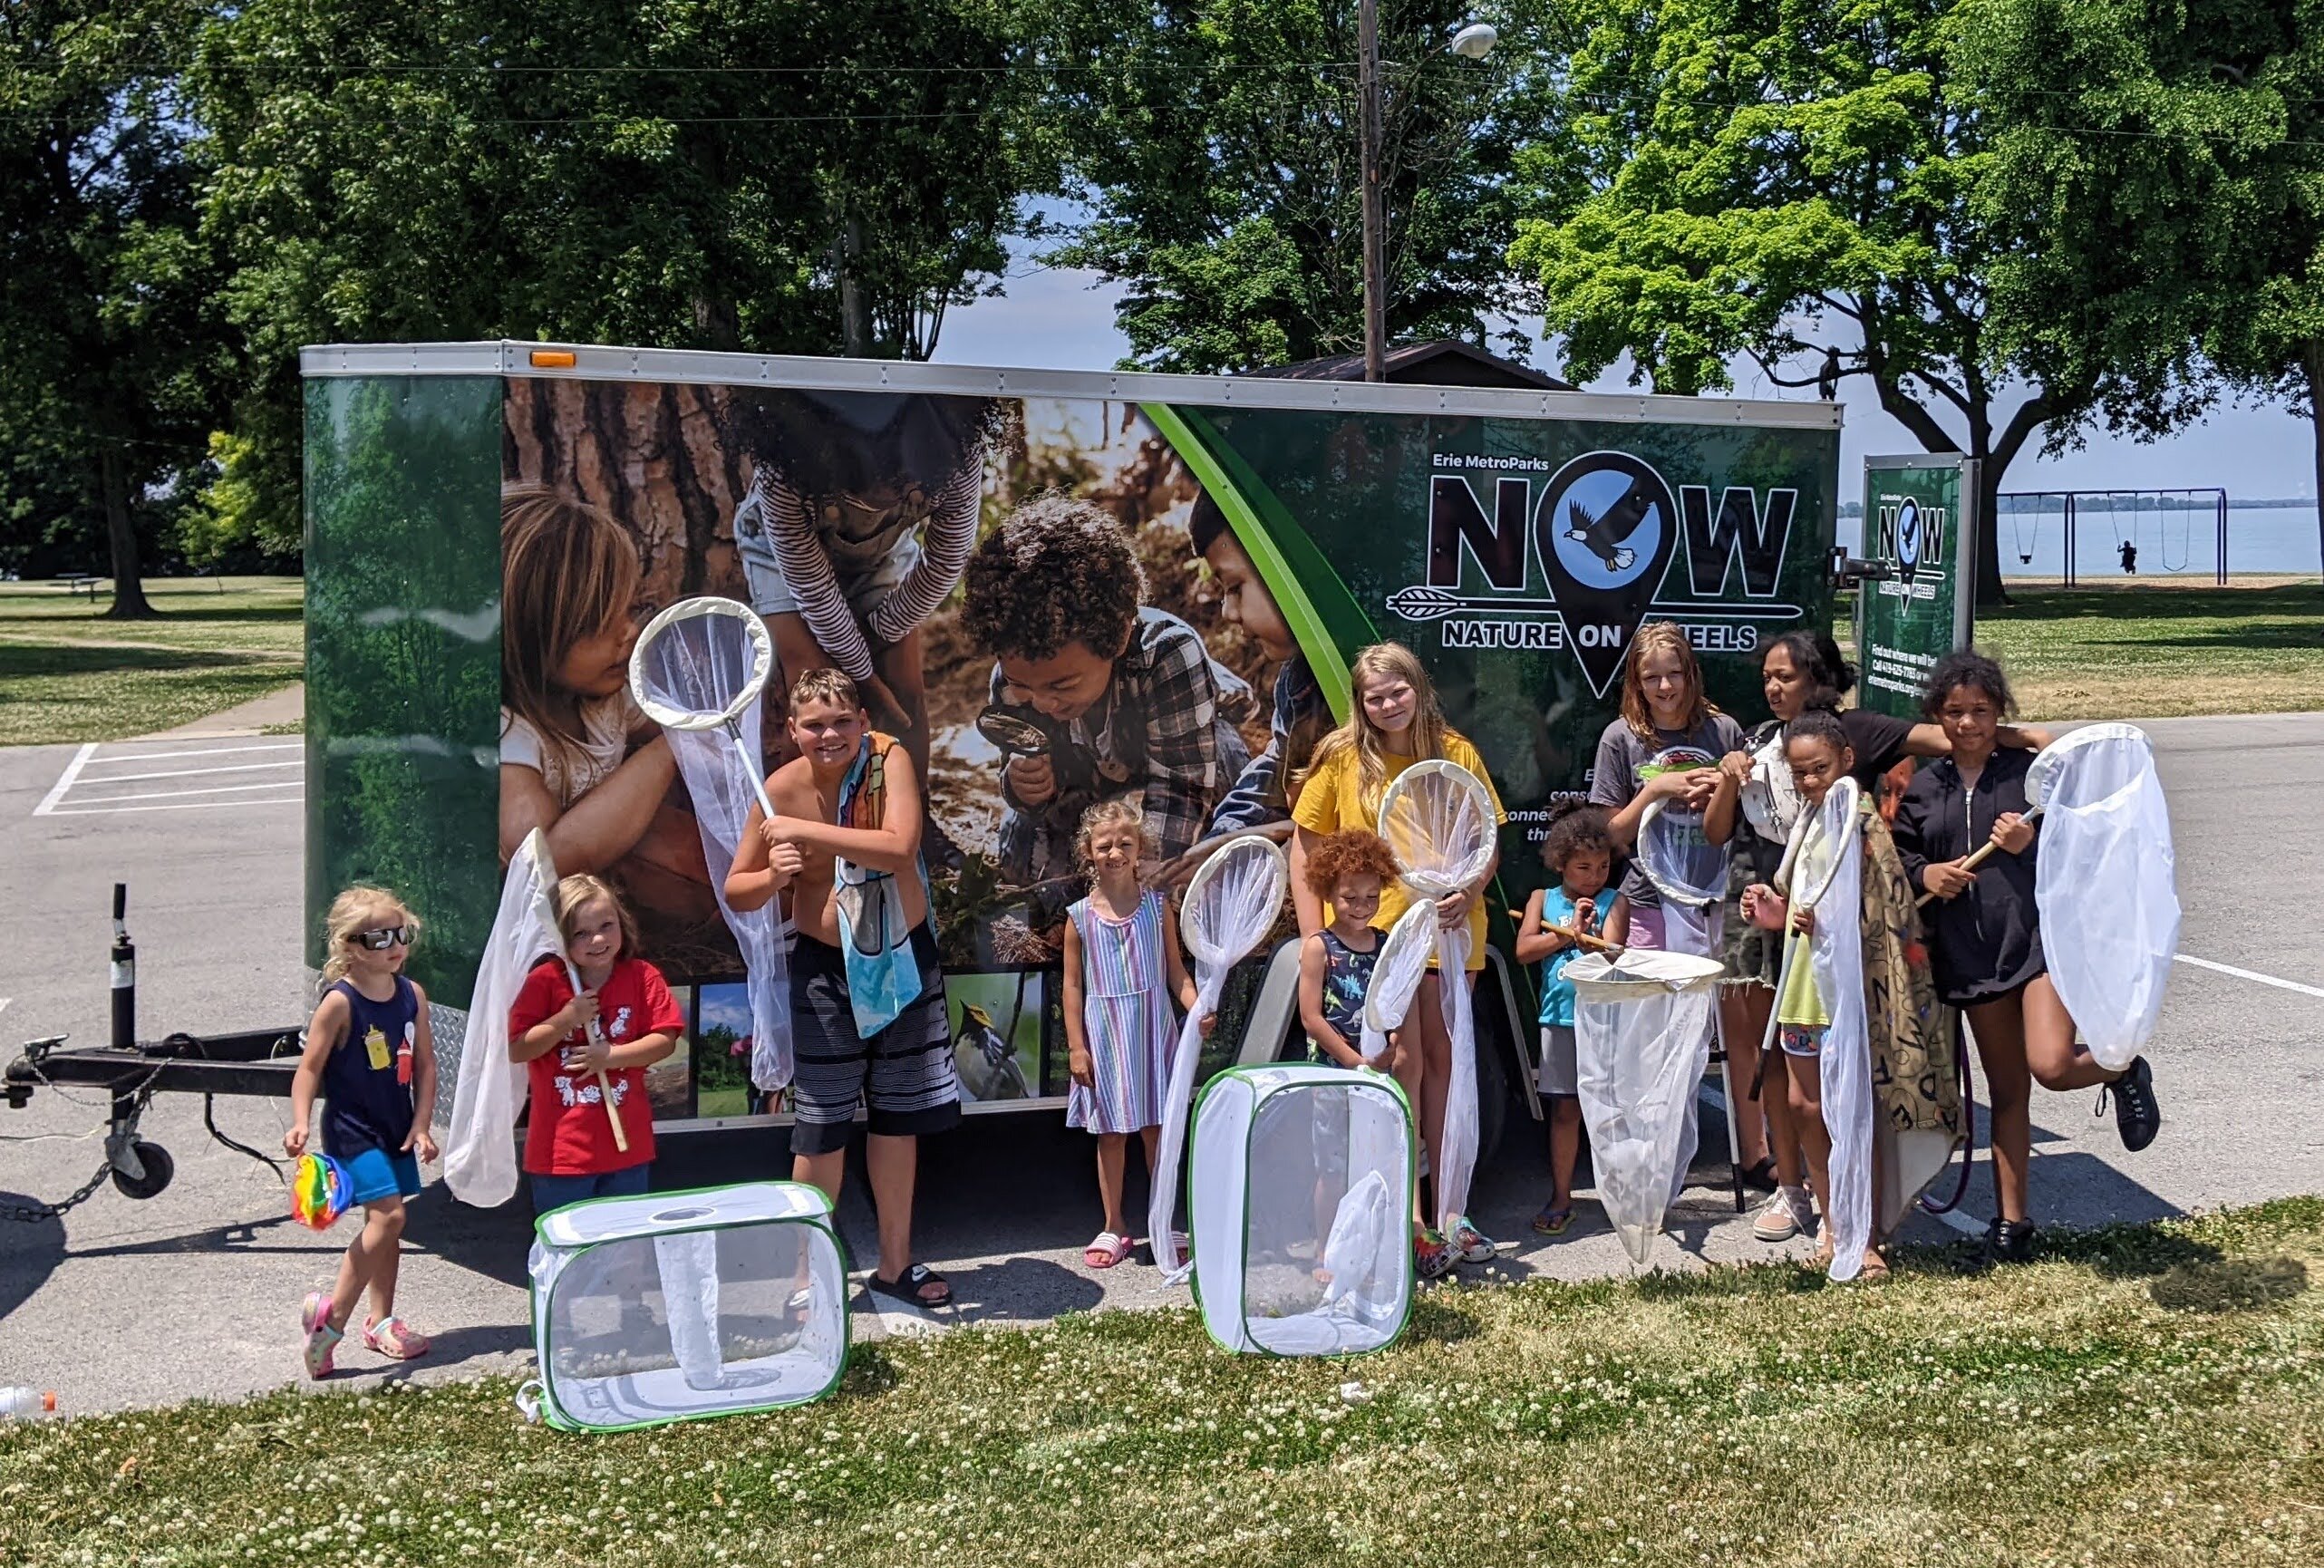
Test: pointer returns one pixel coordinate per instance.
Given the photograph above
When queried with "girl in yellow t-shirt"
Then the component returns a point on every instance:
(1395, 722)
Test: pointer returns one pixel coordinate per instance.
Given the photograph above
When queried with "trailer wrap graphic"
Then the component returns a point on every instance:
(1604, 532)
(476, 578)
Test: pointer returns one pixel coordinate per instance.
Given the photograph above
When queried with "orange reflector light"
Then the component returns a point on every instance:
(553, 359)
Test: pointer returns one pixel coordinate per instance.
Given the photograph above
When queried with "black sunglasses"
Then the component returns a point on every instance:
(382, 940)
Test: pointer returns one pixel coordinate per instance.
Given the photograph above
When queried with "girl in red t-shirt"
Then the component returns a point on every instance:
(569, 1149)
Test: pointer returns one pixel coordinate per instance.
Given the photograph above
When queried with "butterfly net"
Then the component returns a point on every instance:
(1396, 976)
(1828, 878)
(2105, 885)
(698, 670)
(671, 1306)
(490, 1090)
(1229, 908)
(1641, 1022)
(1690, 872)
(1438, 820)
(1301, 1187)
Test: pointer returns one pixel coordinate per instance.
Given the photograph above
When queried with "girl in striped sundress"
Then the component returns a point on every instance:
(1122, 964)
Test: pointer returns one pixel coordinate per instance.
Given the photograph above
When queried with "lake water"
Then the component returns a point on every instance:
(2179, 540)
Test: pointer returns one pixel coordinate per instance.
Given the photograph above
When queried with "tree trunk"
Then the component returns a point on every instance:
(120, 534)
(2311, 363)
(855, 300)
(1991, 594)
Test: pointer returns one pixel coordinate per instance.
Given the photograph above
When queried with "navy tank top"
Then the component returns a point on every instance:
(1347, 975)
(367, 1079)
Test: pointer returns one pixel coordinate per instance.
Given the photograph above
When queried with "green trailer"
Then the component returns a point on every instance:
(1515, 540)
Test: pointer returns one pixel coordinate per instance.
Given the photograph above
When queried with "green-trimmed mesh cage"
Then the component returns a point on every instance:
(679, 1305)
(1301, 1207)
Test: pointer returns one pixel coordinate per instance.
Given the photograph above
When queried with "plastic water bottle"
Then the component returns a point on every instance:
(23, 1404)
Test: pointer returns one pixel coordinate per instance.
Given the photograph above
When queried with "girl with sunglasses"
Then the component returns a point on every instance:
(371, 1054)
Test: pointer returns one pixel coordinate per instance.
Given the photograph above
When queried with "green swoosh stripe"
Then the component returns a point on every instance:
(1322, 615)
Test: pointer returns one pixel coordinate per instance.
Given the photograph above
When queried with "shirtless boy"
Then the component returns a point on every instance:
(904, 1071)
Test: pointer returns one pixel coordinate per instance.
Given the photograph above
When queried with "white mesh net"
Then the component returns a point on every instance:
(699, 663)
(480, 1141)
(1230, 906)
(1642, 1028)
(2105, 882)
(1396, 976)
(1301, 1184)
(697, 669)
(660, 1308)
(1689, 871)
(1835, 842)
(1438, 820)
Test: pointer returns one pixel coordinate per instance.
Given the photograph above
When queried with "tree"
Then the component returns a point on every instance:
(754, 174)
(108, 344)
(1215, 143)
(2170, 162)
(1798, 186)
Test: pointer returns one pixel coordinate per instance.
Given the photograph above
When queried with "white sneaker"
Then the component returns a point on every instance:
(1789, 1211)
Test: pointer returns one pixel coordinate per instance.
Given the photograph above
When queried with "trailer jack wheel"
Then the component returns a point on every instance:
(154, 1167)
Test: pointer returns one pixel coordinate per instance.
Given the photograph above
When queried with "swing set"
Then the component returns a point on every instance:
(2121, 513)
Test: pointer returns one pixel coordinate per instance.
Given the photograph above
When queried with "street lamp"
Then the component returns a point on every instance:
(1473, 42)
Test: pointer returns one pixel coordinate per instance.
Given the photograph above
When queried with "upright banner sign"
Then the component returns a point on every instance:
(1918, 521)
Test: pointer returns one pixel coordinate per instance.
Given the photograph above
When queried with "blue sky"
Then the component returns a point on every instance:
(1056, 319)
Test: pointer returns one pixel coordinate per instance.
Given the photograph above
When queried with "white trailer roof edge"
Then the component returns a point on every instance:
(601, 362)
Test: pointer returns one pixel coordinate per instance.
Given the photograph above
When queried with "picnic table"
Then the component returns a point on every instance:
(79, 582)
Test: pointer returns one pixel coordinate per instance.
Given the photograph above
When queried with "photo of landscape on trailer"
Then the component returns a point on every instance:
(538, 513)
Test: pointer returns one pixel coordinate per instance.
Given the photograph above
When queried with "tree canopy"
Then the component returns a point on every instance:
(757, 175)
(1216, 142)
(1798, 186)
(2166, 167)
(109, 343)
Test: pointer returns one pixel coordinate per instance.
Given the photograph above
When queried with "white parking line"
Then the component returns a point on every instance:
(180, 806)
(2253, 975)
(190, 772)
(64, 781)
(201, 752)
(174, 794)
(1958, 1221)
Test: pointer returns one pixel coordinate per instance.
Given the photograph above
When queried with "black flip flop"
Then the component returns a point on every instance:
(907, 1289)
(1760, 1177)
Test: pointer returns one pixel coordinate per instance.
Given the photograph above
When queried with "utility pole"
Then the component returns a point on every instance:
(1473, 42)
(1375, 220)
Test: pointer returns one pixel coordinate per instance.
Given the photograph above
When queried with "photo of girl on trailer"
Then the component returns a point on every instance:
(1034, 597)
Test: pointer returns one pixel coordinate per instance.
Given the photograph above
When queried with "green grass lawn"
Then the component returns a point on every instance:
(67, 673)
(2153, 650)
(2142, 1395)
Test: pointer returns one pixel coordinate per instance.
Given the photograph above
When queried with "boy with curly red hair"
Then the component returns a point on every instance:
(1346, 872)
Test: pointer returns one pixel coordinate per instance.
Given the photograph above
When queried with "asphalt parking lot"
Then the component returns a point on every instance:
(195, 1292)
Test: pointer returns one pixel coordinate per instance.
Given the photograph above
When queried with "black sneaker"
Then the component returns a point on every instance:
(2137, 1117)
(2010, 1241)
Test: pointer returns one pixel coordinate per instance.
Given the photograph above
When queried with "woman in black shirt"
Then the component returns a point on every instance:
(1985, 936)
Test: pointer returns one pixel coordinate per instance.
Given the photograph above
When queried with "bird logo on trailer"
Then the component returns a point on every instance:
(1912, 536)
(1605, 530)
(1908, 534)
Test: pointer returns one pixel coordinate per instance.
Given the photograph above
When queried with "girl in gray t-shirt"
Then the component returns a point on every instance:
(1666, 746)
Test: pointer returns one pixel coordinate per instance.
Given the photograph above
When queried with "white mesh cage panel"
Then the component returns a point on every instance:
(1302, 1210)
(679, 1305)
